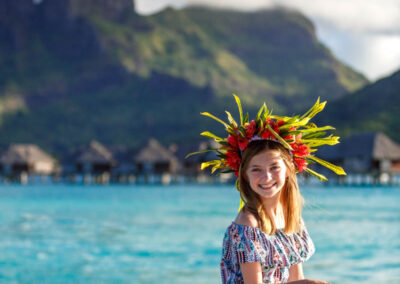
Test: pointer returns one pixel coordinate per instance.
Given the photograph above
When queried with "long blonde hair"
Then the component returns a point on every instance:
(290, 197)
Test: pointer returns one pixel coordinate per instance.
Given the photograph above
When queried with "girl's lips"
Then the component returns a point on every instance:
(266, 187)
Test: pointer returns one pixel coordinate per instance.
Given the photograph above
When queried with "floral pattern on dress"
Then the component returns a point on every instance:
(276, 253)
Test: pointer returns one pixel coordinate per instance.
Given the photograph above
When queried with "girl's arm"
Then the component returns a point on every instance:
(296, 272)
(251, 272)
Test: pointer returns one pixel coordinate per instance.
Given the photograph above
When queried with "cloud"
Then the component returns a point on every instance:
(372, 16)
(363, 34)
(357, 15)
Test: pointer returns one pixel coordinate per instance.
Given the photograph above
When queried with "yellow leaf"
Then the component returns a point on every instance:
(231, 120)
(311, 172)
(209, 163)
(239, 104)
(338, 170)
(216, 118)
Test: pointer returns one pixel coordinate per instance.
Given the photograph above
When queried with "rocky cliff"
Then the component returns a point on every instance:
(76, 70)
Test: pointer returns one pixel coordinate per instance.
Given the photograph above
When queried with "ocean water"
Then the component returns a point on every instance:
(173, 234)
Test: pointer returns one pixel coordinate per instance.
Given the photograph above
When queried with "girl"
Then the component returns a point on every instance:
(268, 241)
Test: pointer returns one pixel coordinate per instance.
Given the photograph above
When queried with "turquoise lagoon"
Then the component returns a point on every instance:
(173, 234)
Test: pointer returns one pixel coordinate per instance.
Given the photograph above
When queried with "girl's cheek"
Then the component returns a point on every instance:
(254, 176)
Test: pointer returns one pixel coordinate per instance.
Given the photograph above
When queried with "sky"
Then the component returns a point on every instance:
(364, 34)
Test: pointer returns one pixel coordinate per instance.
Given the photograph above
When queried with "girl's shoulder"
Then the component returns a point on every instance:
(246, 218)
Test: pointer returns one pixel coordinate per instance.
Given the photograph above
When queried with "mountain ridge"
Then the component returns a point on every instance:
(375, 107)
(88, 75)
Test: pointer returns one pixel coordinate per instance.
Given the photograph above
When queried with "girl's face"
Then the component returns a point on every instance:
(266, 173)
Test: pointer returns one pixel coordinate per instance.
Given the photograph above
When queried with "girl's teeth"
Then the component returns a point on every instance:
(265, 187)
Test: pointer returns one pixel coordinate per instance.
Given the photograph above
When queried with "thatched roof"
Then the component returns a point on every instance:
(95, 153)
(154, 152)
(25, 154)
(373, 145)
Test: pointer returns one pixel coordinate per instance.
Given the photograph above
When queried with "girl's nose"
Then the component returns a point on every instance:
(267, 174)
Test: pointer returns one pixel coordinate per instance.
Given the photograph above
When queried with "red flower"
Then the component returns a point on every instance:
(250, 129)
(280, 123)
(300, 163)
(233, 160)
(243, 142)
(300, 150)
(275, 125)
(266, 134)
(232, 140)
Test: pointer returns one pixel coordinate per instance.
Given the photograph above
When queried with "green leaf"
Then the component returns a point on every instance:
(246, 118)
(239, 104)
(279, 138)
(216, 118)
(311, 130)
(311, 172)
(199, 152)
(209, 163)
(316, 108)
(296, 123)
(209, 134)
(231, 120)
(314, 135)
(336, 169)
(263, 108)
(316, 142)
(310, 125)
(261, 127)
(264, 116)
(242, 131)
(284, 118)
(311, 109)
(216, 167)
(241, 204)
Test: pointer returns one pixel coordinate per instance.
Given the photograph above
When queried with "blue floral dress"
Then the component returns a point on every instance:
(276, 253)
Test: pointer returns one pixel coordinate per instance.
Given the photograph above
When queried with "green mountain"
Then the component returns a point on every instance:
(76, 70)
(376, 107)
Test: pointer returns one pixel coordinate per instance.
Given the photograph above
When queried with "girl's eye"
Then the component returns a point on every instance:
(274, 168)
(255, 170)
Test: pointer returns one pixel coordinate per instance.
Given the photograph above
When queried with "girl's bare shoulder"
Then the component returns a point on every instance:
(246, 218)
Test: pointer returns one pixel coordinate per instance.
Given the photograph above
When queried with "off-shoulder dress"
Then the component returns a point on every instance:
(276, 253)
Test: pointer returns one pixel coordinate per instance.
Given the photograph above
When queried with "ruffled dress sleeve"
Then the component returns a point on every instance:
(240, 245)
(275, 253)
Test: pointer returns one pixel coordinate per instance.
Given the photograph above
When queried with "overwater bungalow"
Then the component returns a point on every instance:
(95, 158)
(92, 163)
(155, 163)
(366, 157)
(21, 160)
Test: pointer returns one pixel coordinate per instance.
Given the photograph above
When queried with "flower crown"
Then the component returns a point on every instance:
(297, 134)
